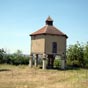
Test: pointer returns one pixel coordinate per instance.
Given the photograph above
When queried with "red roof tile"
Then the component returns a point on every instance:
(49, 29)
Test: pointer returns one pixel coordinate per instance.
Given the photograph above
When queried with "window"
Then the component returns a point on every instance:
(54, 47)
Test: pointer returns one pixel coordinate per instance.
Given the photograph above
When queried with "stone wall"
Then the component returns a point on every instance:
(43, 44)
(37, 44)
(61, 43)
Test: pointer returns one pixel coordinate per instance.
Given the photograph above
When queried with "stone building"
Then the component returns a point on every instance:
(48, 42)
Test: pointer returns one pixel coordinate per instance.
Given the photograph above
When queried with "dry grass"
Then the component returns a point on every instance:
(25, 77)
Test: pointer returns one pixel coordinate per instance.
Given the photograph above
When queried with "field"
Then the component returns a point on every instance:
(25, 77)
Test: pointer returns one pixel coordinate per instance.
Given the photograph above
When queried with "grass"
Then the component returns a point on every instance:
(25, 77)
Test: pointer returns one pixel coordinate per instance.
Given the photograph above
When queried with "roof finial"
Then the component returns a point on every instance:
(49, 21)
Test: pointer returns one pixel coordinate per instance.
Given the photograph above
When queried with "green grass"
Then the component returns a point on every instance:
(24, 77)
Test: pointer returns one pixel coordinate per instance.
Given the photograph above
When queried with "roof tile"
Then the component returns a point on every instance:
(49, 29)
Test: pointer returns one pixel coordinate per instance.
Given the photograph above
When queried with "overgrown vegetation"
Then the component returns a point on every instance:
(24, 77)
(57, 62)
(77, 55)
(16, 58)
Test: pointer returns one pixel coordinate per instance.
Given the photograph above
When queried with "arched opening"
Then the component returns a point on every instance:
(57, 62)
(54, 47)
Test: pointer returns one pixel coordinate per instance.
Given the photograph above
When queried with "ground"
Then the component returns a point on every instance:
(26, 77)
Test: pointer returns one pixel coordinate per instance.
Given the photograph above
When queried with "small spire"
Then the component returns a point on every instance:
(49, 21)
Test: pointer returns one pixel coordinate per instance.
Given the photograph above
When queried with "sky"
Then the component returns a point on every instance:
(19, 18)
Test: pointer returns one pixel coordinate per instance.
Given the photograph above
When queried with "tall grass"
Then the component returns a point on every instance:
(25, 77)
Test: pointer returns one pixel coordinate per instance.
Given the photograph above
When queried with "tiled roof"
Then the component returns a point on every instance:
(49, 29)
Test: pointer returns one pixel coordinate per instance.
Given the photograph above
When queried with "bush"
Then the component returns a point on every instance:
(77, 55)
(2, 55)
(57, 63)
(19, 60)
(15, 59)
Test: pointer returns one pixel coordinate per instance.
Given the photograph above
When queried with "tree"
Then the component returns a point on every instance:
(18, 58)
(75, 54)
(86, 55)
(2, 55)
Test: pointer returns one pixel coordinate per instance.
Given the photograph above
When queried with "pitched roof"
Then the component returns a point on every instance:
(49, 29)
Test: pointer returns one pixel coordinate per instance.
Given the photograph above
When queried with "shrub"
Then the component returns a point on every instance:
(77, 55)
(57, 63)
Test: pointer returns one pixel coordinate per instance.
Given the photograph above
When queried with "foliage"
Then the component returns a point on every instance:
(86, 55)
(2, 55)
(57, 62)
(15, 59)
(77, 55)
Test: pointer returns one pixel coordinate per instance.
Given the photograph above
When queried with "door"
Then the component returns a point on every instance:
(54, 47)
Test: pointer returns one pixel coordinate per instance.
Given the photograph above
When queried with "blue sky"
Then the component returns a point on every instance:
(19, 18)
